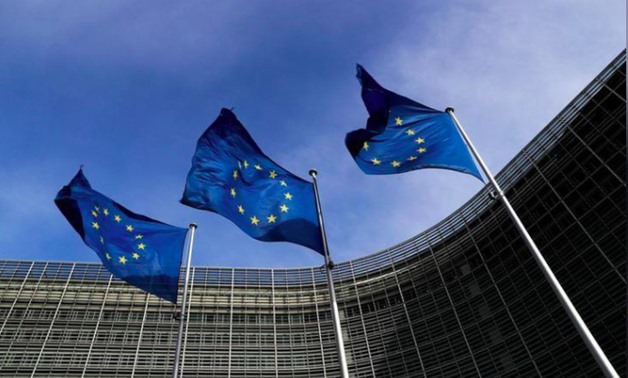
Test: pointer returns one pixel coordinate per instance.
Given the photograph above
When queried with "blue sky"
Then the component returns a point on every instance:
(126, 88)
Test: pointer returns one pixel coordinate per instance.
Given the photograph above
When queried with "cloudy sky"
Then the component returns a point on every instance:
(126, 88)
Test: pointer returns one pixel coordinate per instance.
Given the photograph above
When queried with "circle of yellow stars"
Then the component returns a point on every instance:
(411, 133)
(283, 207)
(97, 215)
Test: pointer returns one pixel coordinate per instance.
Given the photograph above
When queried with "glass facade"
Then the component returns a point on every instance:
(464, 298)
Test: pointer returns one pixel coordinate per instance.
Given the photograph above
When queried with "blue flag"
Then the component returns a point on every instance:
(232, 177)
(402, 135)
(139, 250)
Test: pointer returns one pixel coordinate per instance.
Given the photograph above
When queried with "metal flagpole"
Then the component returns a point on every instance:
(182, 319)
(584, 332)
(330, 283)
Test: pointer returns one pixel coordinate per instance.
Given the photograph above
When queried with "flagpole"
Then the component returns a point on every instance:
(584, 332)
(182, 319)
(330, 283)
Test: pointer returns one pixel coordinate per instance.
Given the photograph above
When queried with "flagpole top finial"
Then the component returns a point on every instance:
(193, 225)
(449, 109)
(313, 172)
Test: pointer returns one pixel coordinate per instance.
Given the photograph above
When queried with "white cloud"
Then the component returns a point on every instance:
(507, 68)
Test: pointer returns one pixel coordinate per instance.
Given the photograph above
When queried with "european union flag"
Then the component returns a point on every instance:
(232, 177)
(402, 135)
(139, 250)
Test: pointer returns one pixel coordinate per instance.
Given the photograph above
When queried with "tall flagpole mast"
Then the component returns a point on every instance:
(182, 319)
(330, 283)
(584, 332)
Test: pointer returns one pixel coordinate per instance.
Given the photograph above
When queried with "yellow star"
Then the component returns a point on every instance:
(412, 158)
(271, 218)
(141, 246)
(258, 167)
(283, 183)
(420, 140)
(240, 209)
(246, 164)
(233, 192)
(129, 228)
(95, 225)
(97, 208)
(136, 256)
(284, 208)
(239, 165)
(254, 220)
(273, 174)
(138, 236)
(365, 146)
(395, 163)
(375, 161)
(122, 259)
(106, 211)
(108, 256)
(94, 213)
(410, 132)
(235, 174)
(421, 150)
(288, 196)
(117, 218)
(398, 121)
(102, 240)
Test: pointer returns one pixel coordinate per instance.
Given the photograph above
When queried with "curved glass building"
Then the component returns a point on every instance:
(462, 299)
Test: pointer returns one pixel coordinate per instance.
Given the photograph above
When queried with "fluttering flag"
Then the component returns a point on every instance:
(139, 250)
(402, 135)
(231, 176)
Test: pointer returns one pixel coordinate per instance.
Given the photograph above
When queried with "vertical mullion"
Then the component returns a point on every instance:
(231, 323)
(187, 323)
(102, 307)
(139, 340)
(272, 280)
(366, 338)
(52, 322)
(405, 310)
(318, 324)
(453, 306)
